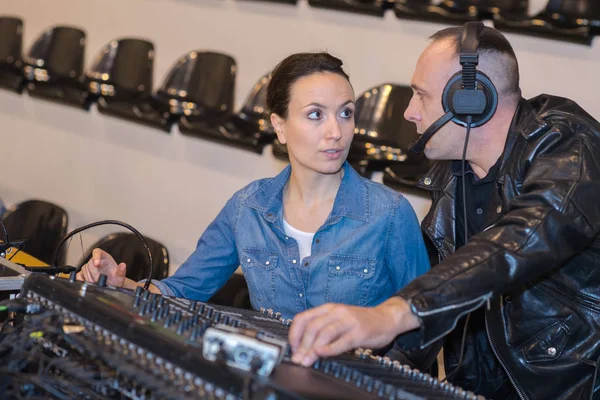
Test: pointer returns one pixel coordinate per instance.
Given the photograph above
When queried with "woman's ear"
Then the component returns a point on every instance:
(278, 124)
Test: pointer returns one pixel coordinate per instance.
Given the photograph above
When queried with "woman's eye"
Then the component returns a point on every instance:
(347, 113)
(314, 115)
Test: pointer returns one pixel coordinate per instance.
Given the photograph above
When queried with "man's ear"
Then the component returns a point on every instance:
(278, 123)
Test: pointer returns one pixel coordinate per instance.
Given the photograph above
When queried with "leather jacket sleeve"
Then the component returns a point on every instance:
(553, 216)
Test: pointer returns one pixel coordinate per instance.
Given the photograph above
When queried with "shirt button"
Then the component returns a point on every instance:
(317, 241)
(267, 263)
(479, 211)
(365, 270)
(499, 210)
(306, 263)
(300, 295)
(338, 268)
(427, 181)
(287, 238)
(293, 261)
(248, 260)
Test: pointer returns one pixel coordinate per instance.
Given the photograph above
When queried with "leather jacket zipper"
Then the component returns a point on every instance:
(512, 381)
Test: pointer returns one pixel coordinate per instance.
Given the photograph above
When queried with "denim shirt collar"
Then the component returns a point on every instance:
(352, 199)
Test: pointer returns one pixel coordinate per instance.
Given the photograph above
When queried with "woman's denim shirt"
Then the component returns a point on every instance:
(369, 247)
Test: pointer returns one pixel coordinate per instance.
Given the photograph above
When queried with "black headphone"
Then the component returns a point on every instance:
(469, 98)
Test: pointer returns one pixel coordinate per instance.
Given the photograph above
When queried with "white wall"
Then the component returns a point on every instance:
(170, 186)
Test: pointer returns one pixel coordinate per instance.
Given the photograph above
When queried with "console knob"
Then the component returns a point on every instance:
(102, 280)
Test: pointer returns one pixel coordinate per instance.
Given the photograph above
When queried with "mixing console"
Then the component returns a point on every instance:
(93, 341)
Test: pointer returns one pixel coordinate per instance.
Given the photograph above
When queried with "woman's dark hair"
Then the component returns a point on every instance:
(294, 67)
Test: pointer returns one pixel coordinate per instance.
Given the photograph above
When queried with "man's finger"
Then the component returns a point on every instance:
(308, 359)
(121, 270)
(97, 257)
(343, 343)
(311, 332)
(86, 274)
(330, 333)
(299, 324)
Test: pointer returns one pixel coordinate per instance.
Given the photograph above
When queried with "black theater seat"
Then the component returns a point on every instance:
(369, 7)
(412, 9)
(201, 88)
(11, 45)
(214, 120)
(199, 85)
(472, 10)
(568, 20)
(126, 247)
(460, 11)
(382, 136)
(41, 224)
(53, 67)
(252, 125)
(291, 2)
(120, 79)
(233, 294)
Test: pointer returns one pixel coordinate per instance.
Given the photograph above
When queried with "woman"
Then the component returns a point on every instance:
(315, 233)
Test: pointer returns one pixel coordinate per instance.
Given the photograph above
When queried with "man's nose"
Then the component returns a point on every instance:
(411, 113)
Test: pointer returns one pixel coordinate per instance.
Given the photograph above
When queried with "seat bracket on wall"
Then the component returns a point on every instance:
(11, 53)
(459, 11)
(576, 21)
(369, 7)
(291, 2)
(120, 79)
(53, 68)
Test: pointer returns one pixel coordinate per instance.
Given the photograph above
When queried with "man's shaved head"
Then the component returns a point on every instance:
(496, 57)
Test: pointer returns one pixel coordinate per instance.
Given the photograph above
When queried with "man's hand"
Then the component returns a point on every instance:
(103, 263)
(332, 329)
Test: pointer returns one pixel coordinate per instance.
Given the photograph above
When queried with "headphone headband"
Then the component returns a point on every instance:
(470, 38)
(470, 95)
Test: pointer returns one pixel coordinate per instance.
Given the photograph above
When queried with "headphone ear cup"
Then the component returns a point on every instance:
(484, 84)
(454, 84)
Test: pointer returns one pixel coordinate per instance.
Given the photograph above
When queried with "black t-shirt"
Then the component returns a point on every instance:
(483, 365)
(478, 195)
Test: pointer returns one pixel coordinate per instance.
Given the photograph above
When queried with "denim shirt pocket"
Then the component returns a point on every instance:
(349, 279)
(259, 266)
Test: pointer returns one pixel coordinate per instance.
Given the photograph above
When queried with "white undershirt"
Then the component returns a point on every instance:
(304, 239)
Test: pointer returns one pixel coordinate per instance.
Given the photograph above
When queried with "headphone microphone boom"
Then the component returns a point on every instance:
(418, 146)
(469, 98)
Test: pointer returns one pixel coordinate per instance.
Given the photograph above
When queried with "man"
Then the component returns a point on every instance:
(516, 299)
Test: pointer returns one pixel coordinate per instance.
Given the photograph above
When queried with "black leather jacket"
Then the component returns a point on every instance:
(534, 272)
